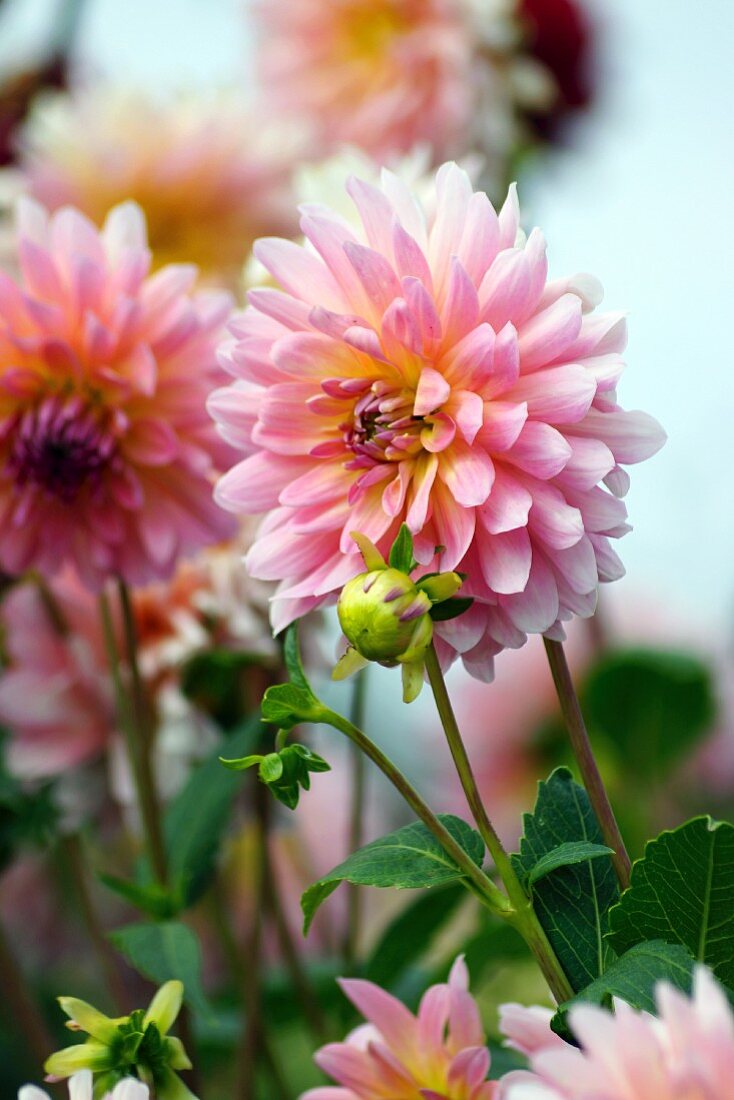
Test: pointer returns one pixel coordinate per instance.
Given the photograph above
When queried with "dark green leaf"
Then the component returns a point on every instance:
(682, 892)
(633, 978)
(292, 657)
(565, 855)
(165, 951)
(409, 935)
(150, 898)
(451, 608)
(198, 816)
(285, 705)
(653, 706)
(213, 680)
(401, 552)
(410, 858)
(572, 902)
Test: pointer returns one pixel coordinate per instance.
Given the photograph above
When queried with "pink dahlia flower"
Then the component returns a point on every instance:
(425, 371)
(440, 1054)
(686, 1053)
(107, 456)
(385, 73)
(208, 175)
(56, 695)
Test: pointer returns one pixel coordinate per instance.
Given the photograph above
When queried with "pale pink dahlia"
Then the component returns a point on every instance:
(425, 371)
(209, 176)
(440, 1054)
(384, 73)
(107, 456)
(685, 1053)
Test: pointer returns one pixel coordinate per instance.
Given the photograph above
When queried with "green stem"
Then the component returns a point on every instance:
(132, 714)
(250, 1043)
(525, 919)
(582, 750)
(76, 862)
(356, 821)
(272, 901)
(493, 898)
(20, 1008)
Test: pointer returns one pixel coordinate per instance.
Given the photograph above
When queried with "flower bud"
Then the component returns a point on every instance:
(385, 617)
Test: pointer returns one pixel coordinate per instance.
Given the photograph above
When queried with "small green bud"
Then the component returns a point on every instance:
(128, 1046)
(386, 616)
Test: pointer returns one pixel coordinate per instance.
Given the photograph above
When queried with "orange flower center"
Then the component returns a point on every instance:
(369, 27)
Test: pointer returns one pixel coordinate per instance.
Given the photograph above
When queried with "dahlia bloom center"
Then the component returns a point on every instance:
(61, 447)
(367, 32)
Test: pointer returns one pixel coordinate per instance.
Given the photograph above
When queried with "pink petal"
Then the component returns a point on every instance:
(558, 395)
(505, 559)
(468, 473)
(432, 391)
(540, 450)
(507, 506)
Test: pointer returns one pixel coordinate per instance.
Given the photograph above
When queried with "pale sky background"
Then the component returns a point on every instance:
(644, 201)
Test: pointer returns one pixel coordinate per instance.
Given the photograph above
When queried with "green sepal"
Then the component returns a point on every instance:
(401, 552)
(450, 608)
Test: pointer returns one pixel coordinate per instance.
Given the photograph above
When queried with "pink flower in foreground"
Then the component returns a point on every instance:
(426, 372)
(107, 456)
(440, 1054)
(685, 1054)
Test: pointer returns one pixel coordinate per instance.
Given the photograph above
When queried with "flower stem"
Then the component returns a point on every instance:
(132, 714)
(356, 821)
(493, 897)
(20, 1007)
(525, 919)
(76, 862)
(300, 981)
(250, 1042)
(584, 754)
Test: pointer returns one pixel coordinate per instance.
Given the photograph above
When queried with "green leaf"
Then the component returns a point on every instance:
(633, 978)
(271, 768)
(451, 608)
(213, 681)
(653, 706)
(409, 935)
(165, 951)
(410, 858)
(682, 891)
(285, 705)
(150, 898)
(572, 901)
(565, 855)
(292, 658)
(242, 763)
(401, 552)
(197, 818)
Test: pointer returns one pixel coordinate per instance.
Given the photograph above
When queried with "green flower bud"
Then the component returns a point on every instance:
(385, 617)
(127, 1046)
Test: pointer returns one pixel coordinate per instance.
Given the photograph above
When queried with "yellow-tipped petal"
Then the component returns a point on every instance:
(349, 663)
(90, 1055)
(373, 559)
(177, 1056)
(412, 681)
(85, 1017)
(440, 588)
(169, 1086)
(165, 1006)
